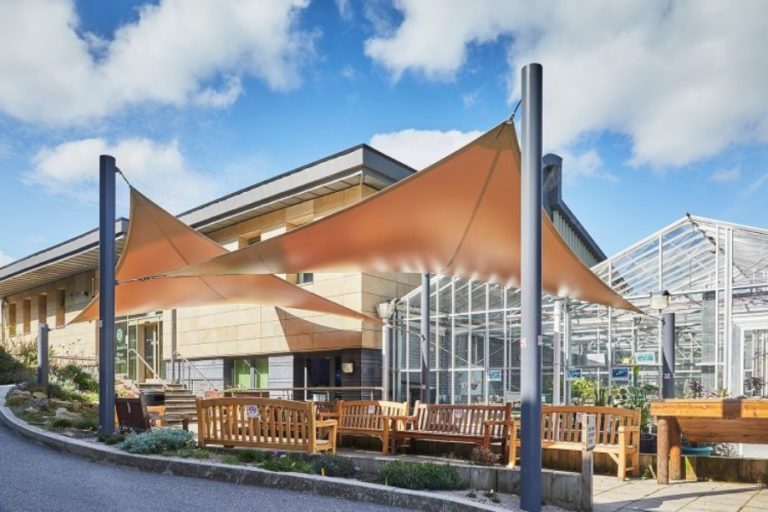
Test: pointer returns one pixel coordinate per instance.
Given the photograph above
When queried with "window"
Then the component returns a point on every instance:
(250, 239)
(305, 278)
(61, 307)
(11, 319)
(26, 316)
(42, 309)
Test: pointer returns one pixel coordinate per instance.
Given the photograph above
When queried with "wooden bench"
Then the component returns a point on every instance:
(618, 433)
(481, 425)
(366, 418)
(134, 415)
(264, 423)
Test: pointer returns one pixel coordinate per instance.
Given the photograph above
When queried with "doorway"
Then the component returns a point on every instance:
(151, 349)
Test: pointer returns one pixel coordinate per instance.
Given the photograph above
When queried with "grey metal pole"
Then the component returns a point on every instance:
(107, 171)
(42, 357)
(174, 338)
(530, 290)
(668, 357)
(424, 345)
(386, 344)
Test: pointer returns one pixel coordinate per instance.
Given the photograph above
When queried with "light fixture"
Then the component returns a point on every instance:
(660, 301)
(386, 310)
(348, 367)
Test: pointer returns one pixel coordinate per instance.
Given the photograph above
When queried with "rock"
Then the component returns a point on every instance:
(39, 395)
(63, 414)
(17, 397)
(31, 409)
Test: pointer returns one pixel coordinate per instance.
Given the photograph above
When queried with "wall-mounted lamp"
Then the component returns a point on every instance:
(386, 310)
(660, 301)
(348, 367)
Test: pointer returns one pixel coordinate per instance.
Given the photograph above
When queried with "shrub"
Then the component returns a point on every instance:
(90, 421)
(411, 475)
(250, 456)
(65, 391)
(230, 459)
(288, 463)
(81, 379)
(11, 369)
(334, 465)
(483, 457)
(162, 440)
(60, 423)
(194, 453)
(111, 439)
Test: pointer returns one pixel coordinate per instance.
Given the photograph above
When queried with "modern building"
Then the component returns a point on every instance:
(225, 346)
(713, 275)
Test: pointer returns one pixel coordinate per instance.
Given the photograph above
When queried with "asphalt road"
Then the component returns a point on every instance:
(35, 478)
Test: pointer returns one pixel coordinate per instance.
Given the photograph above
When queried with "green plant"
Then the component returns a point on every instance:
(89, 421)
(636, 397)
(250, 456)
(583, 390)
(12, 370)
(230, 459)
(194, 453)
(483, 457)
(81, 379)
(60, 423)
(491, 495)
(110, 439)
(162, 440)
(603, 396)
(288, 463)
(411, 475)
(334, 465)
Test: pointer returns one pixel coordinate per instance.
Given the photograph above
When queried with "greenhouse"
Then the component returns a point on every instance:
(713, 275)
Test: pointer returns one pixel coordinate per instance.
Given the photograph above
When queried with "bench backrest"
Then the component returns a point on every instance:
(132, 414)
(465, 420)
(368, 414)
(257, 421)
(561, 422)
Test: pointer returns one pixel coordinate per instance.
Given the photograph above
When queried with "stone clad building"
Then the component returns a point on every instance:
(247, 346)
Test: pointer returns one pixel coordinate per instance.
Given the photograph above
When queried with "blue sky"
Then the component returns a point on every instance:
(658, 109)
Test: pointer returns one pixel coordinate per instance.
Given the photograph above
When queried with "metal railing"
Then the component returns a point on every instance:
(146, 365)
(327, 391)
(192, 366)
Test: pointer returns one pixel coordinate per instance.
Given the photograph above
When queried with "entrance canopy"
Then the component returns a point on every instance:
(158, 242)
(460, 216)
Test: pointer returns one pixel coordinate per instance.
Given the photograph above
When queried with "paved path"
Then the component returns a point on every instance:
(612, 495)
(34, 478)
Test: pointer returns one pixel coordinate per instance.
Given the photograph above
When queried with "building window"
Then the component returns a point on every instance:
(26, 316)
(42, 309)
(305, 278)
(11, 319)
(250, 239)
(61, 308)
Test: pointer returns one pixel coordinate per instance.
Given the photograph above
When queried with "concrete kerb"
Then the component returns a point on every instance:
(559, 488)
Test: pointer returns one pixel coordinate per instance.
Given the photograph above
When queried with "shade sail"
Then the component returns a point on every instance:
(157, 242)
(460, 216)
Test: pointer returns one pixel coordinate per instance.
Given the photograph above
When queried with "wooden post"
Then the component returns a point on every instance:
(675, 452)
(662, 451)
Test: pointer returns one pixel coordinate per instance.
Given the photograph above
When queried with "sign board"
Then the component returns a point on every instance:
(494, 375)
(573, 374)
(589, 431)
(252, 411)
(645, 358)
(119, 334)
(511, 396)
(620, 373)
(596, 359)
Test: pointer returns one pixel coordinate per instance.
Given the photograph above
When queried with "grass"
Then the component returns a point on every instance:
(288, 464)
(230, 459)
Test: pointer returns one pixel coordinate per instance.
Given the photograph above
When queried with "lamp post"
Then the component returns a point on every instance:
(530, 289)
(386, 311)
(107, 172)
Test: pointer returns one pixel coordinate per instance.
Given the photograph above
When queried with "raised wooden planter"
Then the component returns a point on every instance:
(730, 420)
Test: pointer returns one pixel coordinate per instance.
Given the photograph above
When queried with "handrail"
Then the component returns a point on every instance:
(321, 389)
(191, 365)
(154, 373)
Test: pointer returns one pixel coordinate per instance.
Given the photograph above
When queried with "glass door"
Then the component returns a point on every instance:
(153, 350)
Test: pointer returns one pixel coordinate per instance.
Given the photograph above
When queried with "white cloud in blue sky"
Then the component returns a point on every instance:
(198, 98)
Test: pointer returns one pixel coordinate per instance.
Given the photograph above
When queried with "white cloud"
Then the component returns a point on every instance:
(171, 55)
(726, 175)
(586, 164)
(470, 99)
(684, 80)
(420, 148)
(345, 10)
(5, 259)
(157, 169)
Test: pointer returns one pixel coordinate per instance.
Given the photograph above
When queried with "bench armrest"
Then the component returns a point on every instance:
(407, 419)
(326, 423)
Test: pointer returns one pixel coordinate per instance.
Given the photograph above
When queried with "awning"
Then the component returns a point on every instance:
(157, 242)
(460, 216)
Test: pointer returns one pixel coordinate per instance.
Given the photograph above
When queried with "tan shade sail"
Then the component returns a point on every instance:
(157, 242)
(460, 216)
